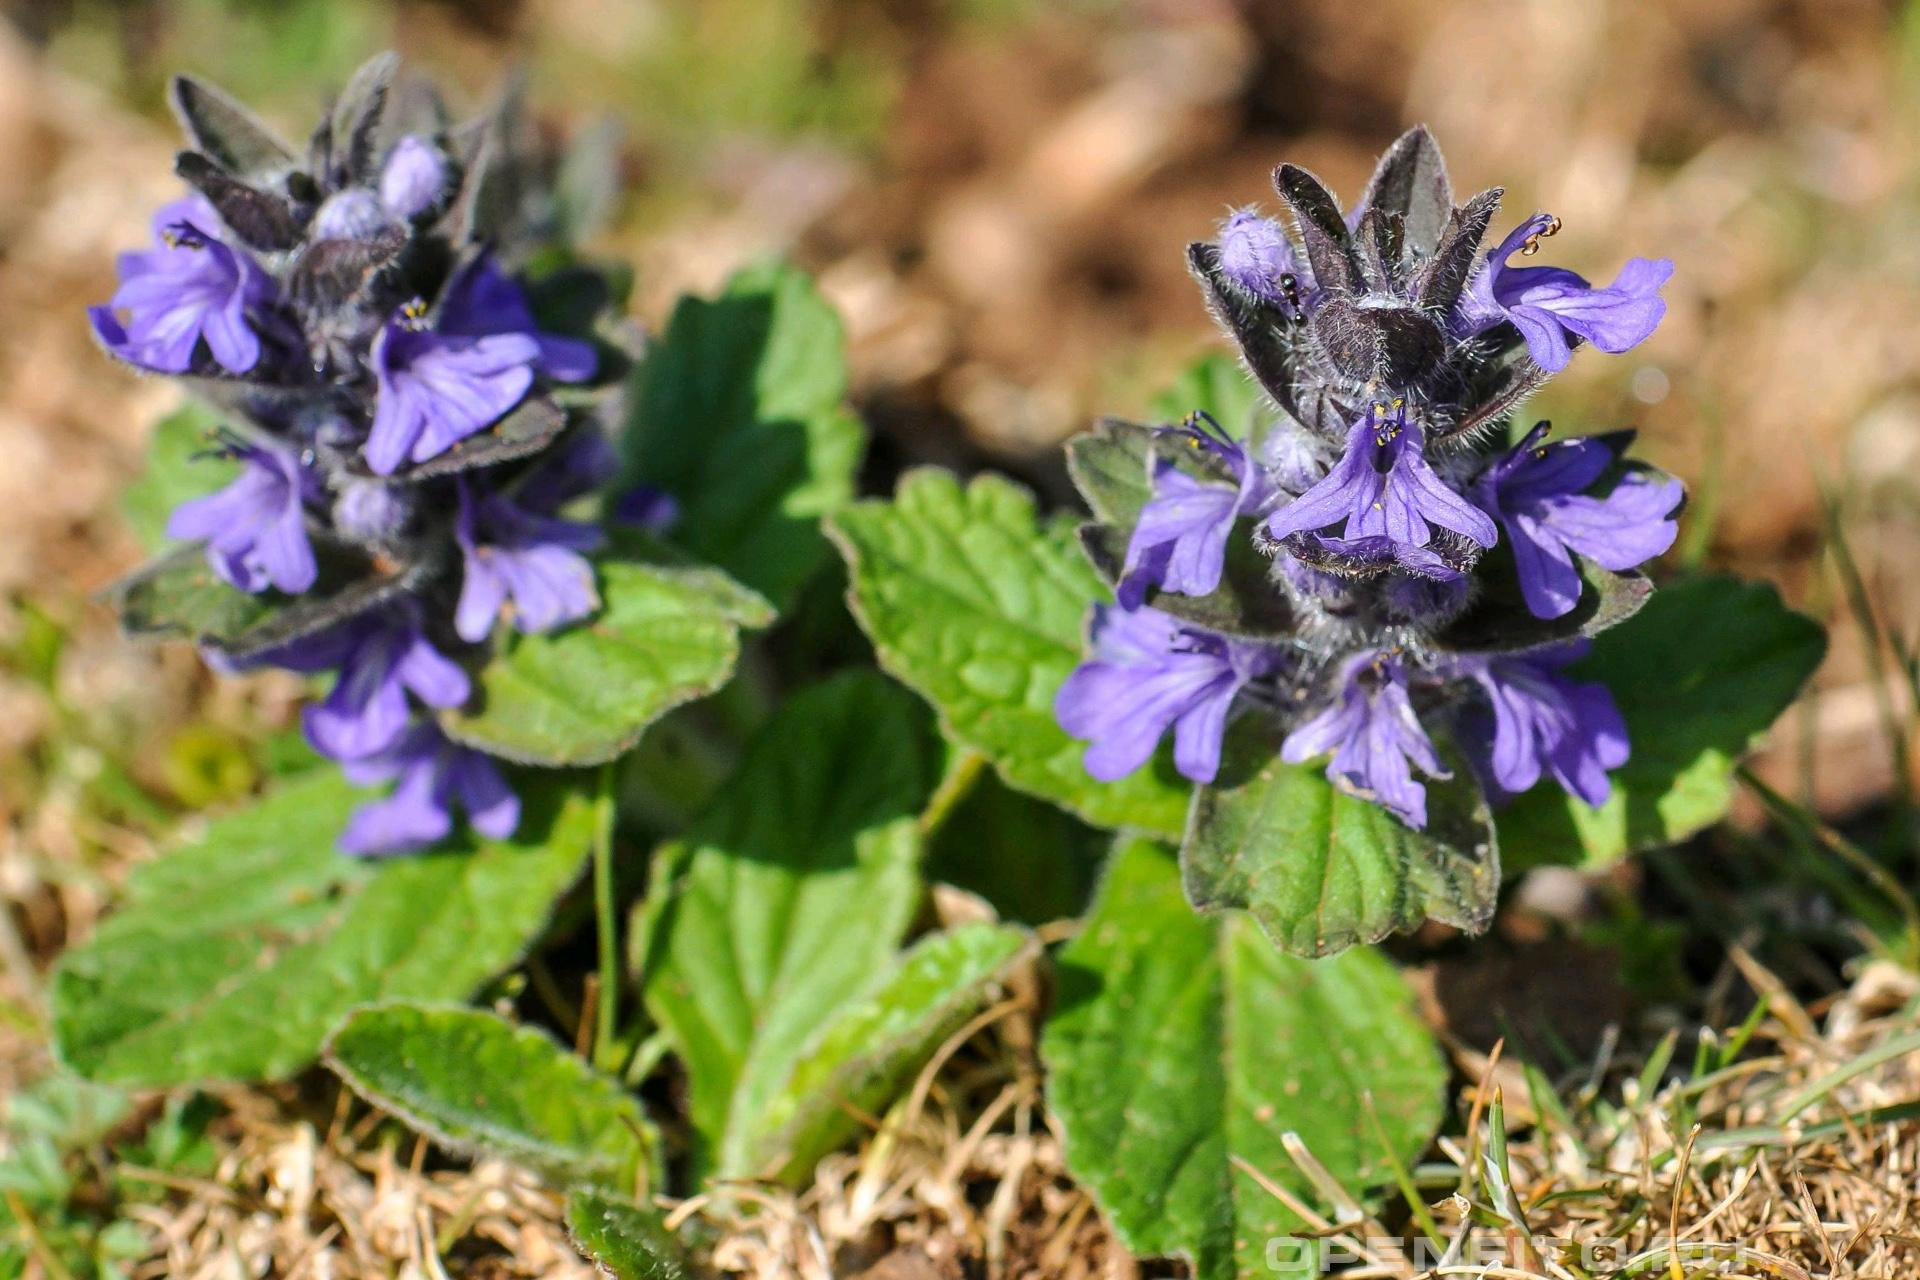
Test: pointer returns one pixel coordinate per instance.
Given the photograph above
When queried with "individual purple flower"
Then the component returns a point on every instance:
(190, 287)
(1383, 486)
(1150, 673)
(436, 389)
(1180, 541)
(1536, 491)
(514, 556)
(482, 299)
(1255, 256)
(413, 177)
(256, 527)
(1548, 303)
(434, 776)
(1545, 722)
(372, 510)
(1375, 737)
(381, 657)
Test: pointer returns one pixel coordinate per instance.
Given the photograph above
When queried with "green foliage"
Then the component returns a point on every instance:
(1322, 870)
(625, 1240)
(1219, 386)
(476, 1083)
(980, 607)
(1182, 1046)
(584, 694)
(1030, 860)
(768, 946)
(740, 415)
(1699, 675)
(234, 955)
(180, 466)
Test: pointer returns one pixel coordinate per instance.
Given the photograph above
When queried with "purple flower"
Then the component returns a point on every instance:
(413, 177)
(1543, 721)
(256, 527)
(1149, 672)
(381, 657)
(1255, 255)
(434, 776)
(482, 299)
(534, 561)
(372, 510)
(352, 213)
(436, 389)
(1375, 737)
(1180, 541)
(1383, 486)
(1535, 491)
(191, 286)
(1548, 303)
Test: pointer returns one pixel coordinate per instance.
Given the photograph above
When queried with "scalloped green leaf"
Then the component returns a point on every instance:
(583, 695)
(477, 1084)
(740, 415)
(625, 1240)
(1699, 674)
(784, 900)
(975, 603)
(1182, 1049)
(234, 955)
(1321, 870)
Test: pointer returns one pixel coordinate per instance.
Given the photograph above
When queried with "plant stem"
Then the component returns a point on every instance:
(606, 1013)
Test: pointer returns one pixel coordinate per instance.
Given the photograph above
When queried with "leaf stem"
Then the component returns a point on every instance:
(607, 1008)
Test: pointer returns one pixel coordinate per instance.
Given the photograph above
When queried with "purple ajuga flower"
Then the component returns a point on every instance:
(413, 177)
(190, 287)
(433, 777)
(482, 299)
(1150, 673)
(1548, 303)
(1255, 256)
(381, 657)
(1180, 541)
(1375, 738)
(1536, 492)
(353, 213)
(512, 555)
(256, 527)
(436, 389)
(1383, 487)
(1545, 722)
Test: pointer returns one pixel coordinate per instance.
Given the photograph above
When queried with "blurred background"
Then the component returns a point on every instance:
(997, 193)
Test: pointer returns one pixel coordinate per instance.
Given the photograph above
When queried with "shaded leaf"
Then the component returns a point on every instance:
(1500, 621)
(1699, 675)
(1256, 329)
(623, 1239)
(783, 901)
(1109, 466)
(1182, 1044)
(973, 602)
(478, 1085)
(584, 694)
(1411, 180)
(533, 425)
(740, 416)
(1322, 870)
(234, 955)
(181, 465)
(227, 131)
(1030, 860)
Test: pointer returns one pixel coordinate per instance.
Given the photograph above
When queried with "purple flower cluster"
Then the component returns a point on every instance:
(1431, 583)
(388, 393)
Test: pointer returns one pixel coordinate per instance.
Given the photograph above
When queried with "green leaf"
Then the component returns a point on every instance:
(740, 416)
(972, 601)
(584, 694)
(1219, 386)
(234, 955)
(784, 900)
(624, 1240)
(1699, 675)
(871, 1049)
(1183, 1044)
(1029, 859)
(477, 1084)
(1109, 466)
(179, 467)
(180, 594)
(1322, 870)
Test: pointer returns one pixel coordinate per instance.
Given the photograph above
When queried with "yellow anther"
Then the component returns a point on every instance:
(415, 310)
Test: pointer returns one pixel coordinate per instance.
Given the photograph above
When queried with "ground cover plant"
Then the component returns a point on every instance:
(585, 702)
